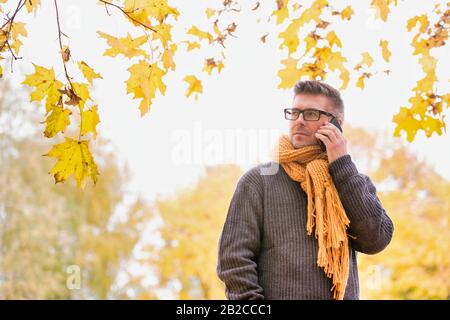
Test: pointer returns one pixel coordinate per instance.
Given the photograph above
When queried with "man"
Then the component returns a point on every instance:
(294, 234)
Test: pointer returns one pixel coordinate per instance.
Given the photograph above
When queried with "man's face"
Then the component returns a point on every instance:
(301, 132)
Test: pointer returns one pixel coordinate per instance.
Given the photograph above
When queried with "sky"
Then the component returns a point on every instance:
(239, 115)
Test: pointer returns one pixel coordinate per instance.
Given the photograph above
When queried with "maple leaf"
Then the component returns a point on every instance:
(210, 12)
(347, 13)
(33, 5)
(162, 33)
(282, 11)
(382, 8)
(290, 74)
(333, 39)
(200, 34)
(82, 92)
(290, 35)
(46, 85)
(423, 21)
(74, 158)
(406, 122)
(360, 82)
(143, 10)
(88, 72)
(128, 46)
(385, 50)
(89, 121)
(195, 85)
(366, 59)
(57, 120)
(144, 81)
(167, 57)
(191, 45)
(335, 61)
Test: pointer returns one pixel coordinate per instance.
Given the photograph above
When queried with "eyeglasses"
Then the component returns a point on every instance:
(308, 114)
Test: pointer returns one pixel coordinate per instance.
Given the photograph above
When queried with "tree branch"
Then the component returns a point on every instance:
(128, 15)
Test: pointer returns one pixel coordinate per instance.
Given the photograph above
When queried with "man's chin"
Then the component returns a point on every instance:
(297, 142)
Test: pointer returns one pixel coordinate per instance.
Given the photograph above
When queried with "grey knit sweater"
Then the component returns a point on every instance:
(264, 250)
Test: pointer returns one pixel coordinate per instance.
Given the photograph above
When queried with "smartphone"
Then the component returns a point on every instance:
(336, 123)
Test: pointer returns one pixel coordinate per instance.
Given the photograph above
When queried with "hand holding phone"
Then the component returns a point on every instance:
(336, 123)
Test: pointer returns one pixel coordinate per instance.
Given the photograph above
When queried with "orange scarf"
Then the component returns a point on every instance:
(309, 166)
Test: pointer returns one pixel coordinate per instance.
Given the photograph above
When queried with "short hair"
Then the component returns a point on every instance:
(316, 87)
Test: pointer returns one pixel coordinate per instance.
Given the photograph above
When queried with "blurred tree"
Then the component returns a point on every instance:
(192, 222)
(416, 264)
(44, 229)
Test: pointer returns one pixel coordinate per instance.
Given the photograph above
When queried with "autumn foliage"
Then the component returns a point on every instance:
(312, 54)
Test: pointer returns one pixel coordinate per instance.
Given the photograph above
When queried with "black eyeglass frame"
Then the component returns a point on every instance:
(309, 109)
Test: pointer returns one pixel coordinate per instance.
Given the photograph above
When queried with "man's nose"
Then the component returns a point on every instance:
(300, 119)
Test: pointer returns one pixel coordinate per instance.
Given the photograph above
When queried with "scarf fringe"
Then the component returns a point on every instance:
(325, 210)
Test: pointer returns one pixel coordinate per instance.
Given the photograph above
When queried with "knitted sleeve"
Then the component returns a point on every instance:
(240, 242)
(369, 221)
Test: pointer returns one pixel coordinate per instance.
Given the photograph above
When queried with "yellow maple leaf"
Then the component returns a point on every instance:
(128, 46)
(282, 11)
(446, 99)
(419, 105)
(290, 74)
(18, 29)
(385, 50)
(74, 158)
(210, 12)
(200, 34)
(167, 57)
(89, 121)
(360, 82)
(82, 91)
(431, 125)
(422, 19)
(333, 39)
(366, 59)
(195, 86)
(32, 5)
(428, 63)
(144, 81)
(311, 41)
(162, 33)
(382, 8)
(290, 36)
(191, 45)
(345, 77)
(313, 12)
(347, 13)
(335, 61)
(88, 72)
(46, 85)
(16, 45)
(57, 121)
(426, 83)
(406, 122)
(144, 10)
